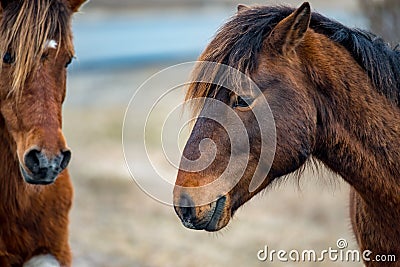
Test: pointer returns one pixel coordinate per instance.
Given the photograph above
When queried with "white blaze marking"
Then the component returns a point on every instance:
(51, 44)
(42, 261)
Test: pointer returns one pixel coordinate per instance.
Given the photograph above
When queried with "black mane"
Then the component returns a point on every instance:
(239, 42)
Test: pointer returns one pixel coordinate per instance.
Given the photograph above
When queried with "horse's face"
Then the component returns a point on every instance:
(32, 112)
(33, 118)
(284, 86)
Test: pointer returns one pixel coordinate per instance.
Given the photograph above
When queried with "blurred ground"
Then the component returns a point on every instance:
(384, 16)
(113, 223)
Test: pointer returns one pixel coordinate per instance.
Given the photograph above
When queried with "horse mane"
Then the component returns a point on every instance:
(239, 42)
(25, 28)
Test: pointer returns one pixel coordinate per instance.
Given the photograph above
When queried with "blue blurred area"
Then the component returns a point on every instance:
(126, 40)
(132, 39)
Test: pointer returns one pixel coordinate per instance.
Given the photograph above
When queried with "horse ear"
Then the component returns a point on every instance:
(241, 8)
(76, 4)
(290, 31)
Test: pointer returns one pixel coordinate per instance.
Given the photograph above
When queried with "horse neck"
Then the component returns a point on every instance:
(14, 193)
(358, 133)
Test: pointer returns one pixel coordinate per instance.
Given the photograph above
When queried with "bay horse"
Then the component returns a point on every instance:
(334, 93)
(35, 187)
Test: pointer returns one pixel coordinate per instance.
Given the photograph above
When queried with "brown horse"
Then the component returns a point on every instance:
(334, 93)
(35, 188)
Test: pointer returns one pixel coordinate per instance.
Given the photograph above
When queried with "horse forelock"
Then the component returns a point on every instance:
(236, 44)
(26, 28)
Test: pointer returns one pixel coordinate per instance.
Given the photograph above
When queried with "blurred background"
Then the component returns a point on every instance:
(121, 43)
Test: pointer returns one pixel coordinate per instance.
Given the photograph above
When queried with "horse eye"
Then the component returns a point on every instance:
(8, 58)
(242, 102)
(68, 62)
(45, 56)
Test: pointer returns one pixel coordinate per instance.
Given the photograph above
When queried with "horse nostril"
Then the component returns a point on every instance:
(66, 159)
(32, 160)
(188, 213)
(187, 208)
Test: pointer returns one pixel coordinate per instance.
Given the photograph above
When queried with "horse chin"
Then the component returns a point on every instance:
(211, 217)
(220, 216)
(31, 180)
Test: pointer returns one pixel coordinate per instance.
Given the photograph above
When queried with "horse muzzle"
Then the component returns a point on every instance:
(40, 169)
(211, 217)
